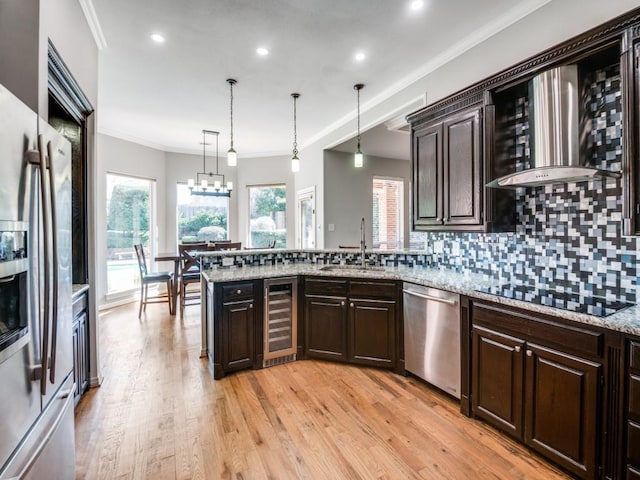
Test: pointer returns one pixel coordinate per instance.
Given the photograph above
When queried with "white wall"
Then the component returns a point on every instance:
(265, 171)
(349, 195)
(126, 158)
(181, 167)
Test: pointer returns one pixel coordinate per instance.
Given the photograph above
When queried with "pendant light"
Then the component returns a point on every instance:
(358, 158)
(232, 156)
(295, 161)
(199, 186)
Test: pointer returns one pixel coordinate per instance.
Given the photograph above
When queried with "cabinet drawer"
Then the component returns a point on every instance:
(372, 289)
(633, 443)
(544, 330)
(634, 396)
(79, 305)
(325, 287)
(634, 355)
(240, 291)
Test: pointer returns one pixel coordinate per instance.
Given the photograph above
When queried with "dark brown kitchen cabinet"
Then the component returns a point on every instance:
(352, 320)
(446, 172)
(325, 319)
(633, 411)
(232, 332)
(530, 379)
(498, 379)
(372, 325)
(561, 408)
(325, 327)
(80, 335)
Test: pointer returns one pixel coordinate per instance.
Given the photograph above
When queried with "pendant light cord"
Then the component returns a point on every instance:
(231, 109)
(358, 90)
(295, 128)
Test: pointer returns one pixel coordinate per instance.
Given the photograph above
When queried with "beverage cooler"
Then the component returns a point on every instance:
(280, 320)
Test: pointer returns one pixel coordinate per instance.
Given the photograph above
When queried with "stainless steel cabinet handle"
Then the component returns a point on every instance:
(351, 304)
(342, 303)
(529, 353)
(251, 305)
(429, 297)
(517, 349)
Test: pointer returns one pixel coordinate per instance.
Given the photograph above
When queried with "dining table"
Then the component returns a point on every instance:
(175, 258)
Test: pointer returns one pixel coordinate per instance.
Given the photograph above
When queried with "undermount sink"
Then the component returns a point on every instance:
(351, 268)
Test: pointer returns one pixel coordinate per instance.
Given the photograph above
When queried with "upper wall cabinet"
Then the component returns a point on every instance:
(446, 172)
(630, 73)
(451, 148)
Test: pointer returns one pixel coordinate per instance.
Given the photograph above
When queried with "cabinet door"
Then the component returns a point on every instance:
(83, 360)
(371, 333)
(238, 320)
(325, 327)
(561, 416)
(462, 169)
(427, 176)
(76, 363)
(497, 379)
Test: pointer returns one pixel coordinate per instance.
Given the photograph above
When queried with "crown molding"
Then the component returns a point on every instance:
(93, 22)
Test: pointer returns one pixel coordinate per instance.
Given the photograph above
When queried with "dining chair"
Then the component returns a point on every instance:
(228, 246)
(190, 273)
(153, 278)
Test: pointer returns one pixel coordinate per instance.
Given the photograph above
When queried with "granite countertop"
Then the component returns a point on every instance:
(78, 289)
(627, 320)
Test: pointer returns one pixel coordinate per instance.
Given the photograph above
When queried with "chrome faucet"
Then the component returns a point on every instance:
(363, 247)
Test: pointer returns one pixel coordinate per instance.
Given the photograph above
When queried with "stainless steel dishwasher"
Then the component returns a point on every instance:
(432, 336)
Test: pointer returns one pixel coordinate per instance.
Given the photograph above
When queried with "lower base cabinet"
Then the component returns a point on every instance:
(547, 397)
(232, 328)
(80, 334)
(351, 320)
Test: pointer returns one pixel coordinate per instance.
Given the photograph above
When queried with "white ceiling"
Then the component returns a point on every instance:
(164, 95)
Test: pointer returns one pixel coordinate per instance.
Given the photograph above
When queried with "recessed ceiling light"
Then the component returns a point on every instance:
(156, 37)
(360, 56)
(416, 4)
(262, 51)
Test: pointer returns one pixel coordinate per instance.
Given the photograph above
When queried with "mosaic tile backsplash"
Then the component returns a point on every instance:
(568, 237)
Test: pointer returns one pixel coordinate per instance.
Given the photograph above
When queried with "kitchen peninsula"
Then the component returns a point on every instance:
(556, 366)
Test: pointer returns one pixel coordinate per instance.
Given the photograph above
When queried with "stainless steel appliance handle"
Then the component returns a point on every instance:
(47, 266)
(429, 297)
(54, 263)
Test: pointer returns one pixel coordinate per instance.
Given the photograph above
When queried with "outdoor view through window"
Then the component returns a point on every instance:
(129, 219)
(267, 216)
(202, 217)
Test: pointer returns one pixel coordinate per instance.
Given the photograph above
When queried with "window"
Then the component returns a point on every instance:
(201, 217)
(387, 228)
(267, 216)
(129, 222)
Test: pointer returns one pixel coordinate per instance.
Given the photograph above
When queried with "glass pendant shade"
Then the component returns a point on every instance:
(358, 159)
(232, 158)
(295, 164)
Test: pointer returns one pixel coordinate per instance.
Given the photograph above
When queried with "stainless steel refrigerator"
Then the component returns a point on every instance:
(36, 356)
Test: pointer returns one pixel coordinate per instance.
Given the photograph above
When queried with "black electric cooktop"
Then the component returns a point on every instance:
(572, 301)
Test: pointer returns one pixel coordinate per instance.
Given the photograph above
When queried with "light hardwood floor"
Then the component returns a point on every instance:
(159, 415)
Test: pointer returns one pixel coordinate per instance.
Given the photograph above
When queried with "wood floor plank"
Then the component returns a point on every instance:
(160, 415)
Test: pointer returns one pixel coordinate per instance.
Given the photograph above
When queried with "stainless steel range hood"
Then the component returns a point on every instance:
(553, 134)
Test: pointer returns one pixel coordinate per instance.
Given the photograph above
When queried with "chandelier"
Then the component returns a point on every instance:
(201, 186)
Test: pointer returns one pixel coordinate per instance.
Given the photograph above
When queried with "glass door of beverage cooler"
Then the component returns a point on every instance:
(280, 320)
